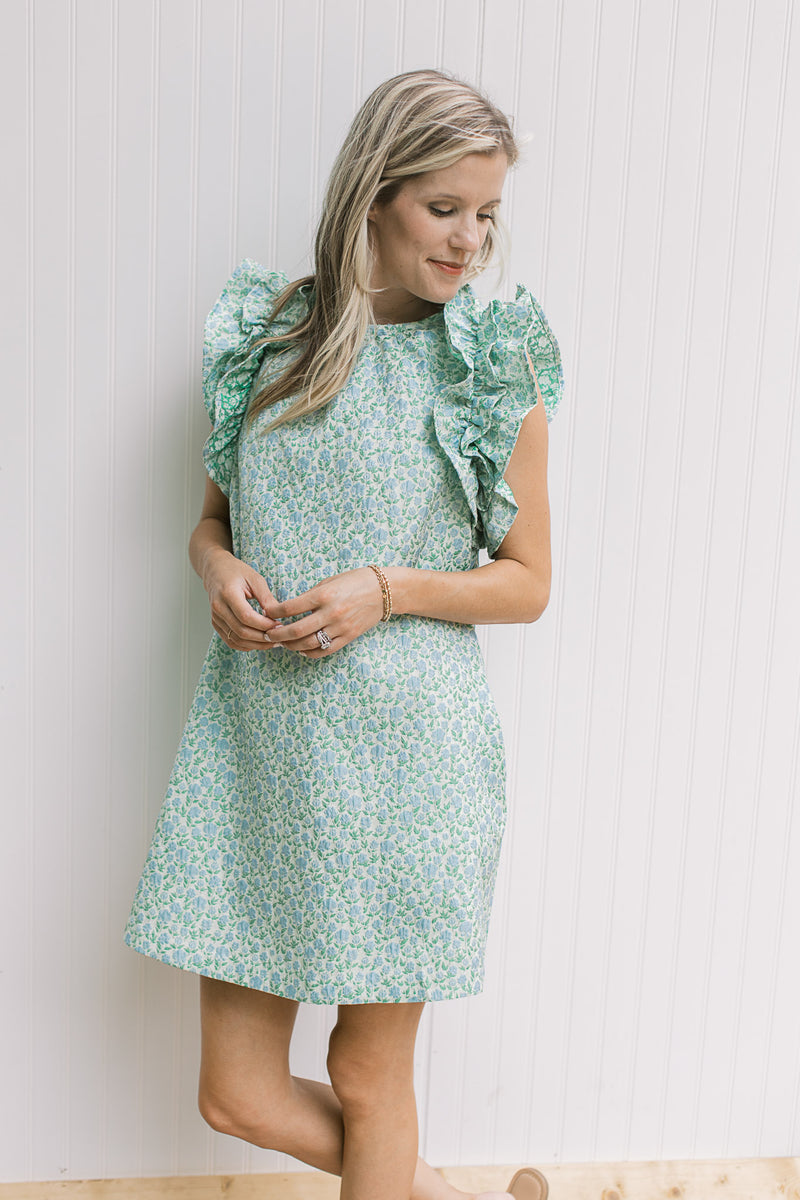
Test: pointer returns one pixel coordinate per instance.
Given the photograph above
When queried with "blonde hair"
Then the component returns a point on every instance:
(416, 122)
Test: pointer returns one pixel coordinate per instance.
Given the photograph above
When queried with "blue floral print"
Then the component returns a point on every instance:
(332, 827)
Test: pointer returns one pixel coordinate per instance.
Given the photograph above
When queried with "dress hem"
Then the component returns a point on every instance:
(303, 994)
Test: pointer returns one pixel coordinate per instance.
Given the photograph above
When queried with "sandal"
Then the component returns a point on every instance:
(528, 1184)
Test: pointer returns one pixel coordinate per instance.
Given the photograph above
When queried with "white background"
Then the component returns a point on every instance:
(643, 983)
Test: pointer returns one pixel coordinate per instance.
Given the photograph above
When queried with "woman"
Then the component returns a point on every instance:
(333, 823)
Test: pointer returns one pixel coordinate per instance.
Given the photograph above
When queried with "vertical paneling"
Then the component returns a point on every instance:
(86, 903)
(17, 618)
(642, 982)
(52, 627)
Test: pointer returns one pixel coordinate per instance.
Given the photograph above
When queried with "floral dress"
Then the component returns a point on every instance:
(332, 827)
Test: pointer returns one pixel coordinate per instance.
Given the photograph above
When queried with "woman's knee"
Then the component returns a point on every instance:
(259, 1120)
(216, 1112)
(364, 1074)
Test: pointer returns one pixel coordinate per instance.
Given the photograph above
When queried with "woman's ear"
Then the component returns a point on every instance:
(372, 210)
(385, 196)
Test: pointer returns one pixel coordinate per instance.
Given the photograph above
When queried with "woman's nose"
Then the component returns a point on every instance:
(467, 235)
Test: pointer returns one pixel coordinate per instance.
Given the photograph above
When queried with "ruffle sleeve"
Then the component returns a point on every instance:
(504, 349)
(231, 359)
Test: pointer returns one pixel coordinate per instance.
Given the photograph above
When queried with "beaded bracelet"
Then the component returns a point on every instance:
(385, 591)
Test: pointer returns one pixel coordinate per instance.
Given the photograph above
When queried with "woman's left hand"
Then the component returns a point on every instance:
(344, 606)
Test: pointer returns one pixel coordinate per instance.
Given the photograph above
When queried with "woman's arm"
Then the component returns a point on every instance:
(516, 585)
(212, 534)
(230, 583)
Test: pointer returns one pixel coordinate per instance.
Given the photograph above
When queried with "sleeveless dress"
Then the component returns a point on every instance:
(332, 827)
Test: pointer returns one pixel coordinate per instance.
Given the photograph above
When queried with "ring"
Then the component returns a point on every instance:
(323, 639)
(229, 634)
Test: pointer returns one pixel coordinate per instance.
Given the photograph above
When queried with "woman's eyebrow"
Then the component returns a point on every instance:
(459, 199)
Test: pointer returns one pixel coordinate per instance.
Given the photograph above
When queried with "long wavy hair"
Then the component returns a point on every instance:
(416, 122)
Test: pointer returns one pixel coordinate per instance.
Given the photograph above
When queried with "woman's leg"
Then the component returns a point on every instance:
(371, 1067)
(247, 1090)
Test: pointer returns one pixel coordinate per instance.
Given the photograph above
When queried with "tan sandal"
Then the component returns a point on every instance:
(528, 1184)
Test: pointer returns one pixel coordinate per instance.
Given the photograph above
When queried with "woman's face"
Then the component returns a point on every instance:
(426, 235)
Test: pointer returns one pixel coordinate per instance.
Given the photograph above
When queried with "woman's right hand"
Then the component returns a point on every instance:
(232, 586)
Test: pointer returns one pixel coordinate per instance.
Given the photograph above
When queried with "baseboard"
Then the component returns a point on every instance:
(714, 1179)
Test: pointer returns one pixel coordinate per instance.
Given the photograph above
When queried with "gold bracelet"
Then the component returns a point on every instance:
(385, 591)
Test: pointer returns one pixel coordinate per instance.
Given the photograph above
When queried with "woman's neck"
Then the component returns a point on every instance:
(394, 306)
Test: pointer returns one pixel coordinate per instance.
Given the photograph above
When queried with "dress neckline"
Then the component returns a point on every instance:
(411, 326)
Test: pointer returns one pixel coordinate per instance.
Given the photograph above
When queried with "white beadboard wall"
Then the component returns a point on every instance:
(644, 981)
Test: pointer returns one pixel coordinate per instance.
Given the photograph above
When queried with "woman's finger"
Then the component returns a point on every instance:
(260, 593)
(224, 631)
(241, 640)
(293, 632)
(242, 613)
(312, 648)
(293, 606)
(234, 612)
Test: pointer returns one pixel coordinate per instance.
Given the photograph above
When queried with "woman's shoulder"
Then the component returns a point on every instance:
(244, 306)
(508, 356)
(506, 344)
(234, 350)
(249, 274)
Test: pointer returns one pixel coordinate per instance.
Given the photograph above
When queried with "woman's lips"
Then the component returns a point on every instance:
(448, 267)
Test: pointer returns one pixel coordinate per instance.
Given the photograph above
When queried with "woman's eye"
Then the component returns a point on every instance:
(448, 212)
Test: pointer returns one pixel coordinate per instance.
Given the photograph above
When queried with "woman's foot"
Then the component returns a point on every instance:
(528, 1184)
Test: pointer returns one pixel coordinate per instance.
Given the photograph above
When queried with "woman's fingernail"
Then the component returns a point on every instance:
(267, 638)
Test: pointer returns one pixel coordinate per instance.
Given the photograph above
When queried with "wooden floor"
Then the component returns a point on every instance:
(728, 1179)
